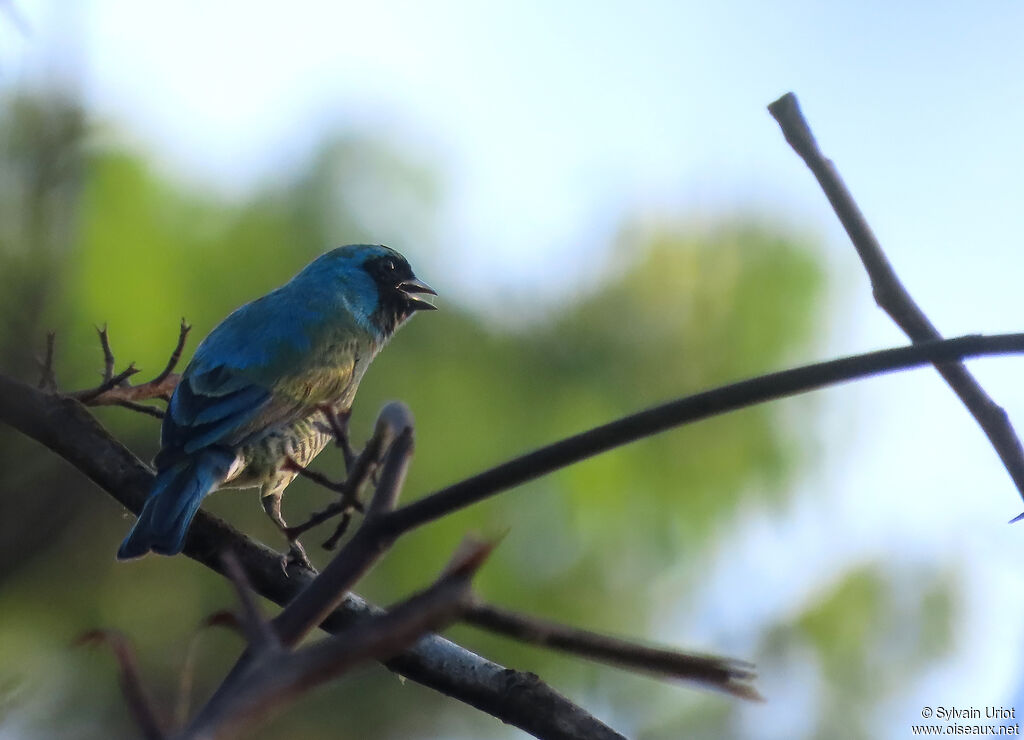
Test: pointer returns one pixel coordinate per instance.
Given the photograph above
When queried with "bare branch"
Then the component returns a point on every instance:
(311, 606)
(348, 501)
(890, 295)
(175, 357)
(359, 472)
(339, 531)
(141, 408)
(88, 397)
(47, 378)
(267, 684)
(723, 674)
(183, 707)
(67, 428)
(685, 411)
(261, 638)
(135, 694)
(108, 353)
(115, 389)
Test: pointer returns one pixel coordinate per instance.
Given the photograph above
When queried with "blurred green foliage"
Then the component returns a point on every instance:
(91, 234)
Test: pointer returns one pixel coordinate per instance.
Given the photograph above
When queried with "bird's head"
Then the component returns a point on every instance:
(376, 282)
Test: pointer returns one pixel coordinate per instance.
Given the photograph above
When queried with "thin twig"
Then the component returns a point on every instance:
(139, 703)
(260, 636)
(47, 378)
(724, 674)
(183, 706)
(350, 490)
(339, 531)
(108, 353)
(890, 295)
(141, 408)
(684, 411)
(175, 357)
(88, 397)
(308, 609)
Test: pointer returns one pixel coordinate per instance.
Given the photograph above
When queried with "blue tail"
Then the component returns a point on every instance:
(172, 503)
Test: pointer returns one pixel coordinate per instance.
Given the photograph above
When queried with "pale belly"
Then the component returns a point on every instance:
(259, 462)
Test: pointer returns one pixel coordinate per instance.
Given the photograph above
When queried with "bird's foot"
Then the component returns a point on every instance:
(296, 556)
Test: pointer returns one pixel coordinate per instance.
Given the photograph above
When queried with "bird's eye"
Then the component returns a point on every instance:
(391, 265)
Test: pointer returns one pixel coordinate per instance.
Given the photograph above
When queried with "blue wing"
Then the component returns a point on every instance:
(244, 376)
(210, 408)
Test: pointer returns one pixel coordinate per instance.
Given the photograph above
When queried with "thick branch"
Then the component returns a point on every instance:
(890, 295)
(67, 428)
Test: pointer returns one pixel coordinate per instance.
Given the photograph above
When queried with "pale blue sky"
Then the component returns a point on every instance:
(545, 114)
(548, 119)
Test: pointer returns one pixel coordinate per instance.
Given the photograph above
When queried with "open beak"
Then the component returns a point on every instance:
(413, 289)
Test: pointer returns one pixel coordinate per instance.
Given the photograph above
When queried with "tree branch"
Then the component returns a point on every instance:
(890, 295)
(115, 390)
(324, 594)
(684, 411)
(139, 702)
(723, 674)
(67, 428)
(273, 678)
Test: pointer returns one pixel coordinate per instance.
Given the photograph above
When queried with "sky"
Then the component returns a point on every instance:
(552, 119)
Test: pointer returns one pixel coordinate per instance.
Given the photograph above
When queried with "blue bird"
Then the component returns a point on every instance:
(257, 388)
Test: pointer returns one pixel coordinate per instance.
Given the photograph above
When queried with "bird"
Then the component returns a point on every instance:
(262, 384)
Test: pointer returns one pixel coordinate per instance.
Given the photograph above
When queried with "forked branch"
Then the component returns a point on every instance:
(114, 389)
(889, 292)
(273, 677)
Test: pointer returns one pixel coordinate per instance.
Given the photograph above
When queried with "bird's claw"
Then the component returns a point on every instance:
(296, 556)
